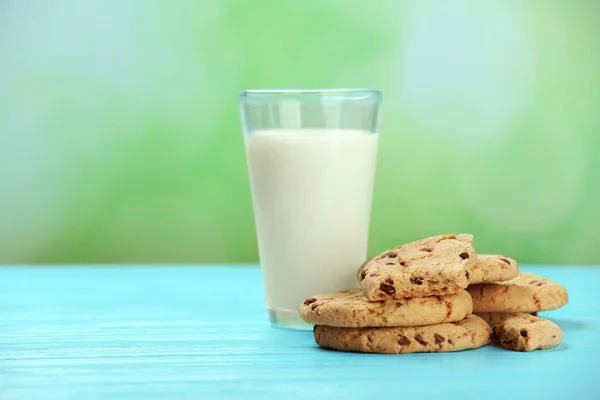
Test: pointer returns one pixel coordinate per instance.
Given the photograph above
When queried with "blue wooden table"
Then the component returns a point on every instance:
(157, 332)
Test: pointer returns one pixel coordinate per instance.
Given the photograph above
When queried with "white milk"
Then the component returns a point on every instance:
(312, 191)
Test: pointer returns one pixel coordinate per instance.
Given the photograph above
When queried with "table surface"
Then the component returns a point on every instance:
(110, 332)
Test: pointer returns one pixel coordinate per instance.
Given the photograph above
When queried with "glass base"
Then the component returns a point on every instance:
(287, 319)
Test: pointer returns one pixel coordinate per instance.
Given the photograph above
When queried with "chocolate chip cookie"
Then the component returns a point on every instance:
(493, 268)
(524, 332)
(469, 333)
(437, 265)
(495, 318)
(526, 293)
(350, 308)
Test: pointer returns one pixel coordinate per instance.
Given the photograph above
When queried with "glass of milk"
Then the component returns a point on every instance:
(311, 158)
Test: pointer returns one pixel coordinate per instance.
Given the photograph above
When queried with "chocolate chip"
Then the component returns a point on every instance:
(314, 306)
(505, 260)
(420, 339)
(363, 274)
(387, 289)
(403, 340)
(464, 255)
(523, 333)
(553, 336)
(309, 301)
(389, 281)
(438, 338)
(467, 274)
(402, 263)
(390, 263)
(450, 341)
(507, 341)
(416, 281)
(427, 249)
(539, 283)
(392, 255)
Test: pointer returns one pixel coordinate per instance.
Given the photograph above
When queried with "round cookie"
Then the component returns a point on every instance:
(493, 268)
(495, 318)
(433, 266)
(524, 332)
(470, 333)
(350, 308)
(526, 293)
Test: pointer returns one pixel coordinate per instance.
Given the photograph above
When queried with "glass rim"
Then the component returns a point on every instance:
(327, 92)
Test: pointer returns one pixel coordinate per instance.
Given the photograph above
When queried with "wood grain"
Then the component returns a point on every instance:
(157, 332)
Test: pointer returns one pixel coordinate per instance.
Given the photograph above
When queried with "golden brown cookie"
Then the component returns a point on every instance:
(493, 268)
(437, 265)
(526, 293)
(350, 308)
(524, 332)
(495, 318)
(470, 333)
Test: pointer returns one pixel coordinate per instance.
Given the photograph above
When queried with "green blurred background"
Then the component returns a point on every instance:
(120, 138)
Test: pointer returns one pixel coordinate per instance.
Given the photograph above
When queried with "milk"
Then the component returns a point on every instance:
(311, 192)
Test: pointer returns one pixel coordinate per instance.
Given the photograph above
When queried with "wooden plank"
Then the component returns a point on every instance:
(101, 332)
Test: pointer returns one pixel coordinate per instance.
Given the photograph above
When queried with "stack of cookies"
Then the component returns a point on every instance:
(417, 298)
(511, 308)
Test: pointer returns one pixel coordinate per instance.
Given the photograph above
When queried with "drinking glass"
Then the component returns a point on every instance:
(311, 158)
